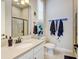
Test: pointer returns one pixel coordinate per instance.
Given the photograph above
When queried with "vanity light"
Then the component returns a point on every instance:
(16, 0)
(26, 1)
(22, 2)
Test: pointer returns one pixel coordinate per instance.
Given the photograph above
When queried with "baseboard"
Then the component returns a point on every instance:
(64, 50)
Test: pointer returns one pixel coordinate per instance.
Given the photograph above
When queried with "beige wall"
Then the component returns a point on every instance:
(20, 13)
(31, 14)
(8, 15)
(5, 20)
(25, 13)
(75, 5)
(40, 8)
(2, 17)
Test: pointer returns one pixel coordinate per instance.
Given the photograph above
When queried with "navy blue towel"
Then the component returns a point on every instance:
(69, 57)
(52, 28)
(56, 24)
(60, 29)
(35, 29)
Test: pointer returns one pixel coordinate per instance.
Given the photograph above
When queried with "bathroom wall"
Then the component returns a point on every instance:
(32, 17)
(8, 17)
(56, 9)
(40, 8)
(21, 13)
(25, 13)
(75, 5)
(36, 6)
(33, 4)
(2, 17)
(5, 20)
(16, 12)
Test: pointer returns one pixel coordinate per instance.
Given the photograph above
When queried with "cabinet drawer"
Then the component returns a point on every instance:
(37, 48)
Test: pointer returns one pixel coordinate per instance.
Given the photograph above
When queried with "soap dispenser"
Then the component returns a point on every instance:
(10, 41)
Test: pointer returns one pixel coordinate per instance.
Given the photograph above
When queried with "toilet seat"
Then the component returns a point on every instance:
(49, 45)
(50, 48)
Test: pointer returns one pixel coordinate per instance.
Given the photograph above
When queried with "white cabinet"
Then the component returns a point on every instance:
(27, 55)
(35, 53)
(39, 52)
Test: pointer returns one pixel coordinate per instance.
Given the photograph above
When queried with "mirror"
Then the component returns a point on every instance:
(20, 18)
(17, 17)
(20, 27)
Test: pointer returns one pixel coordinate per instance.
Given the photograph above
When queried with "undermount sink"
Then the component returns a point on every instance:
(24, 45)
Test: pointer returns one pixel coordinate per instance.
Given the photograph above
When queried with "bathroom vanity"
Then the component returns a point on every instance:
(25, 50)
(19, 22)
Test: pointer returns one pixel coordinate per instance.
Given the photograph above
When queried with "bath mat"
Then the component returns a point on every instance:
(69, 57)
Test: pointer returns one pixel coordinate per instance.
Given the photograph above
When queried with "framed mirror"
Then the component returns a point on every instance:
(19, 27)
(20, 18)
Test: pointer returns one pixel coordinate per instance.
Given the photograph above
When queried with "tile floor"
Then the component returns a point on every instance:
(57, 55)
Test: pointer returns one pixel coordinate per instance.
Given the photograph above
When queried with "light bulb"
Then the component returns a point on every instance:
(22, 2)
(27, 1)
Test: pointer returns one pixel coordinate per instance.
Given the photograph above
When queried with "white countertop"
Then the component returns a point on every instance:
(16, 50)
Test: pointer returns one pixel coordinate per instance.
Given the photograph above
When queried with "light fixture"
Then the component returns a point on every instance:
(22, 2)
(16, 0)
(26, 1)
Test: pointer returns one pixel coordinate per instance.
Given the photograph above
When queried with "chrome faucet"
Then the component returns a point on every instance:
(18, 40)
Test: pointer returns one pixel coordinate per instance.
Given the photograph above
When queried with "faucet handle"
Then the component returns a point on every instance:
(20, 37)
(16, 41)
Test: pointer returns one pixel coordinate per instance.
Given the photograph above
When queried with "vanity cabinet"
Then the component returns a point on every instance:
(36, 53)
(39, 52)
(28, 55)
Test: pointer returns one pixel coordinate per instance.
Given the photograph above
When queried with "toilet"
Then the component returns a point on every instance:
(50, 48)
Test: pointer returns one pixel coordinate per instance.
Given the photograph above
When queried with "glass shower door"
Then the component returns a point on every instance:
(17, 27)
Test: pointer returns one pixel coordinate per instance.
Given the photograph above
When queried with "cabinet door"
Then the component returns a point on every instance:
(36, 56)
(28, 55)
(39, 54)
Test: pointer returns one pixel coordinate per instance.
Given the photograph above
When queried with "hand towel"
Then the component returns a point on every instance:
(35, 29)
(60, 29)
(52, 28)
